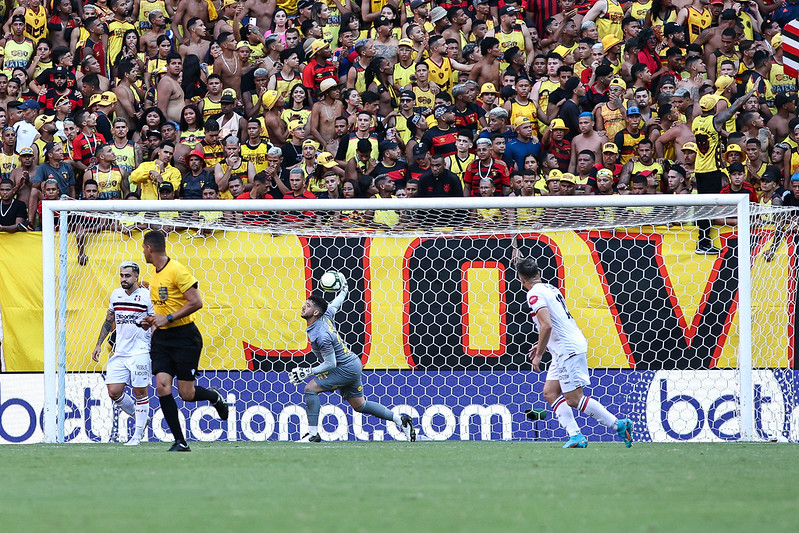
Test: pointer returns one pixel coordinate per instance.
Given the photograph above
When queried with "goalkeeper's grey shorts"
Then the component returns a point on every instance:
(346, 378)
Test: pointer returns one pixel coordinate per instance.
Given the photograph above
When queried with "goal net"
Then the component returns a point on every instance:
(691, 347)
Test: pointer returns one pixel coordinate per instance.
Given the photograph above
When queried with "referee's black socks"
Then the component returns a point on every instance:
(201, 393)
(170, 410)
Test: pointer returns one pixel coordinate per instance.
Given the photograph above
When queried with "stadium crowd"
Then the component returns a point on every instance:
(140, 99)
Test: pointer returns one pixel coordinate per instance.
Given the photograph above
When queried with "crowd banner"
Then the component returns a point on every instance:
(465, 313)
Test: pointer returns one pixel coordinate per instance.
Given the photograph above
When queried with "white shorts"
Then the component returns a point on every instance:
(571, 372)
(131, 369)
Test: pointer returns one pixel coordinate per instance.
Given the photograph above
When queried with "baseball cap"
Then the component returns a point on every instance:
(690, 147)
(555, 175)
(29, 104)
(94, 100)
(610, 147)
(717, 2)
(60, 71)
(520, 121)
(783, 98)
(618, 82)
(408, 94)
(707, 102)
(108, 98)
(405, 42)
(488, 88)
(316, 46)
(776, 41)
(736, 167)
(437, 13)
(632, 110)
(27, 150)
(419, 149)
(682, 93)
(567, 178)
(604, 172)
(166, 186)
(302, 4)
(416, 4)
(310, 142)
(269, 98)
(387, 145)
(722, 82)
(508, 10)
(197, 153)
(227, 99)
(294, 124)
(326, 159)
(41, 120)
(561, 50)
(558, 124)
(671, 28)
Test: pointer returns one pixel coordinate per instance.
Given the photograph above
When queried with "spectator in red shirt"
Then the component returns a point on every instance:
(298, 192)
(318, 68)
(485, 166)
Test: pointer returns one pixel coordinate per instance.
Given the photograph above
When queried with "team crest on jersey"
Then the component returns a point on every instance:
(163, 293)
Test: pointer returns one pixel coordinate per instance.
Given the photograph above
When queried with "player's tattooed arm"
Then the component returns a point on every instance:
(105, 329)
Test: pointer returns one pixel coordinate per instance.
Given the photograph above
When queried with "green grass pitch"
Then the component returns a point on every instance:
(393, 486)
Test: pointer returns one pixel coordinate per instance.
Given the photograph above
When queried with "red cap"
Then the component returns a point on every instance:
(717, 2)
(197, 153)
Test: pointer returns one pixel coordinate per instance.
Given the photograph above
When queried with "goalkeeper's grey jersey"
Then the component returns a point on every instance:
(326, 342)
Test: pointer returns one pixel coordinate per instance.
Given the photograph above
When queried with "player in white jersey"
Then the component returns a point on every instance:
(568, 372)
(130, 361)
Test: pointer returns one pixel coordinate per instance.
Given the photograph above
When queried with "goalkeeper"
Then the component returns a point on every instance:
(339, 369)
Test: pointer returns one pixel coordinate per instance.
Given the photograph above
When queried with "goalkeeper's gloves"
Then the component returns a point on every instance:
(299, 374)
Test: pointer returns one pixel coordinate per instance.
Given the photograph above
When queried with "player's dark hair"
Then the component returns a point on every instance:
(155, 240)
(639, 179)
(318, 302)
(528, 268)
(487, 44)
(7, 181)
(90, 182)
(261, 177)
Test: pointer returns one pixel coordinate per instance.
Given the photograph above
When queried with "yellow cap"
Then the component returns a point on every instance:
(555, 175)
(326, 159)
(558, 124)
(734, 148)
(520, 121)
(269, 98)
(722, 82)
(609, 41)
(294, 124)
(610, 147)
(567, 178)
(95, 99)
(708, 102)
(41, 120)
(405, 42)
(618, 82)
(488, 88)
(776, 41)
(561, 50)
(690, 147)
(310, 142)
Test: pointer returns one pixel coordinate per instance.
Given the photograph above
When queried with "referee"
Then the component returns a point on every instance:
(176, 343)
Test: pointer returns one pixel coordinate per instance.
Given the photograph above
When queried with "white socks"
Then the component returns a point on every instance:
(565, 416)
(313, 430)
(125, 402)
(142, 410)
(596, 410)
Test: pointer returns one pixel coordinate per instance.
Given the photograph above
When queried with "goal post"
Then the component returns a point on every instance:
(436, 314)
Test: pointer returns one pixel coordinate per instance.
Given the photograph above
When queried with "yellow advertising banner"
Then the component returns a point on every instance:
(643, 300)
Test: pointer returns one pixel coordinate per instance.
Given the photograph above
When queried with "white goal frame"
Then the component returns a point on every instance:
(54, 292)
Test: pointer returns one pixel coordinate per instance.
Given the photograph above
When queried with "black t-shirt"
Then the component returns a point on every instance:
(191, 187)
(398, 172)
(291, 155)
(11, 211)
(445, 185)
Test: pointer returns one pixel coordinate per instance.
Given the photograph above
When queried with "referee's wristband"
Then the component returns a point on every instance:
(169, 318)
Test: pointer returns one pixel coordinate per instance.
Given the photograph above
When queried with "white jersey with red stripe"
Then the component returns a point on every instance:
(566, 338)
(129, 310)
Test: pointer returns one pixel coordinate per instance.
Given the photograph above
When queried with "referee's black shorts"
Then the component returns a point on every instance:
(176, 351)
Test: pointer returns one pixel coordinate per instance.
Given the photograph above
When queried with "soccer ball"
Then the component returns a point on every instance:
(331, 281)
